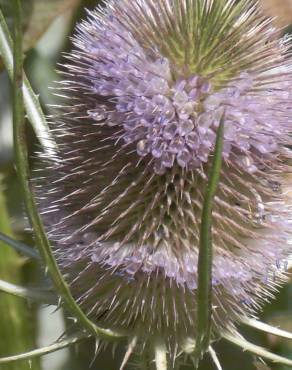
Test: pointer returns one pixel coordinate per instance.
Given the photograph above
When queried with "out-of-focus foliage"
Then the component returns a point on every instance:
(281, 9)
(44, 12)
(38, 15)
(16, 326)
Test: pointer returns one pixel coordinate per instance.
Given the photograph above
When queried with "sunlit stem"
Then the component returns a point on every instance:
(45, 350)
(266, 328)
(256, 350)
(160, 355)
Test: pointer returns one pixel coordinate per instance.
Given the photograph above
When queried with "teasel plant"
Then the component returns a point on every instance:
(161, 208)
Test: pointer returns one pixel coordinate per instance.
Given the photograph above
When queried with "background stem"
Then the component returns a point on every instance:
(15, 331)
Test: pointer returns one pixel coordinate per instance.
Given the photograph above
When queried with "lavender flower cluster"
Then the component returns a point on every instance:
(174, 120)
(149, 82)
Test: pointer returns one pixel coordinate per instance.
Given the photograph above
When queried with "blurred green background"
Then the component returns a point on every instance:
(26, 325)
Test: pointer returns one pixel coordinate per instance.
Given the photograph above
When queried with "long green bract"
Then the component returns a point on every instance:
(22, 165)
(204, 292)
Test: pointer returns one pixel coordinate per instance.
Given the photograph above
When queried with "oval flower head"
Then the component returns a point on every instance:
(147, 84)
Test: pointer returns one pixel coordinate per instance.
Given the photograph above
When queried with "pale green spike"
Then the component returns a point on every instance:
(45, 350)
(131, 347)
(266, 328)
(255, 349)
(215, 358)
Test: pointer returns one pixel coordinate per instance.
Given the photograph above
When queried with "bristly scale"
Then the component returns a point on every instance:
(147, 83)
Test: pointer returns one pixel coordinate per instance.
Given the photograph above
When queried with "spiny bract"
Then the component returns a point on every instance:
(147, 84)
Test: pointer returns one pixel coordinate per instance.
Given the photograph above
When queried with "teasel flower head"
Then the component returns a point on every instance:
(147, 84)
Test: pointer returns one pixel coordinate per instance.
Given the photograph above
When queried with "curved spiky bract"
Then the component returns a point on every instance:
(147, 84)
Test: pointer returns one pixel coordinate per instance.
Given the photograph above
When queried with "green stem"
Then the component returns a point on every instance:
(21, 157)
(204, 293)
